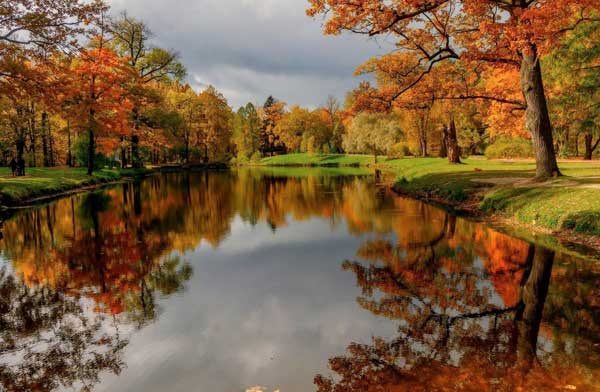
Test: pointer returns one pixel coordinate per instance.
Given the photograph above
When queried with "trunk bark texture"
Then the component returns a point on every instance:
(590, 146)
(537, 116)
(91, 145)
(452, 143)
(444, 142)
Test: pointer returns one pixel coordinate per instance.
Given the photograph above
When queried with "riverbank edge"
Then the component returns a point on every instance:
(7, 202)
(471, 208)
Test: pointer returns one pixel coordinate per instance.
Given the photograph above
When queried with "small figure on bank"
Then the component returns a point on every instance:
(21, 167)
(13, 166)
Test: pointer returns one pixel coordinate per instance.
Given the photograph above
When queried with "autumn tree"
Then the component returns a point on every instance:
(303, 130)
(246, 128)
(373, 134)
(332, 112)
(131, 39)
(270, 114)
(215, 132)
(502, 35)
(98, 86)
(573, 87)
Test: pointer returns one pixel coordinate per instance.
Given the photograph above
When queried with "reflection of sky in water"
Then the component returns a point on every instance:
(270, 304)
(262, 309)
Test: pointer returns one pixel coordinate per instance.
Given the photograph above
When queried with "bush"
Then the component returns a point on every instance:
(587, 222)
(510, 147)
(399, 150)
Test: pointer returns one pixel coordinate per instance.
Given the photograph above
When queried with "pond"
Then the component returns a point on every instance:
(289, 280)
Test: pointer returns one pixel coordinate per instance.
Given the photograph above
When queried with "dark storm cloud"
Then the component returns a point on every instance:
(250, 49)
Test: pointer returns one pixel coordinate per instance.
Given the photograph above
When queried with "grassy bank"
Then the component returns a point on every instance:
(42, 182)
(317, 160)
(570, 203)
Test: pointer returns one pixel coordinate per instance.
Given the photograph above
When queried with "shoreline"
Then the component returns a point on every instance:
(88, 183)
(466, 195)
(585, 244)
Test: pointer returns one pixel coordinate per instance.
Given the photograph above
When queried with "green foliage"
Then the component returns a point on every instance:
(246, 132)
(373, 134)
(510, 147)
(587, 222)
(80, 155)
(399, 150)
(573, 82)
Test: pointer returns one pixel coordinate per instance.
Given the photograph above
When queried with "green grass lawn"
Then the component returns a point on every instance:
(39, 182)
(317, 160)
(572, 201)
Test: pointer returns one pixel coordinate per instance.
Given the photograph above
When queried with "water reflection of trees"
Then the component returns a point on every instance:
(471, 316)
(48, 340)
(475, 295)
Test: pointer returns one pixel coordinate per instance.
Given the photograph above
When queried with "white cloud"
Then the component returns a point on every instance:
(249, 49)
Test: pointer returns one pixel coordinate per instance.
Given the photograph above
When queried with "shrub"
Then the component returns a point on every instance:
(399, 150)
(510, 147)
(587, 222)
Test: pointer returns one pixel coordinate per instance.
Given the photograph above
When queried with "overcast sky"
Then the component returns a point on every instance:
(250, 49)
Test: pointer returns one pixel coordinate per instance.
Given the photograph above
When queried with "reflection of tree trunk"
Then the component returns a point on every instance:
(536, 114)
(188, 188)
(451, 226)
(533, 296)
(49, 223)
(73, 218)
(137, 198)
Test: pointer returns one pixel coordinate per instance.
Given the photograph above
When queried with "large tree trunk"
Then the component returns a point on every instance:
(91, 152)
(537, 116)
(135, 151)
(443, 149)
(187, 149)
(135, 140)
(590, 146)
(423, 143)
(452, 143)
(32, 134)
(51, 145)
(91, 145)
(44, 130)
(69, 153)
(123, 153)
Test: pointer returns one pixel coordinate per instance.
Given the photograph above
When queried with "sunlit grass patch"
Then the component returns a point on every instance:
(39, 182)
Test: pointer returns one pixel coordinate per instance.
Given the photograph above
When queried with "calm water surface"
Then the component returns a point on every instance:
(235, 281)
